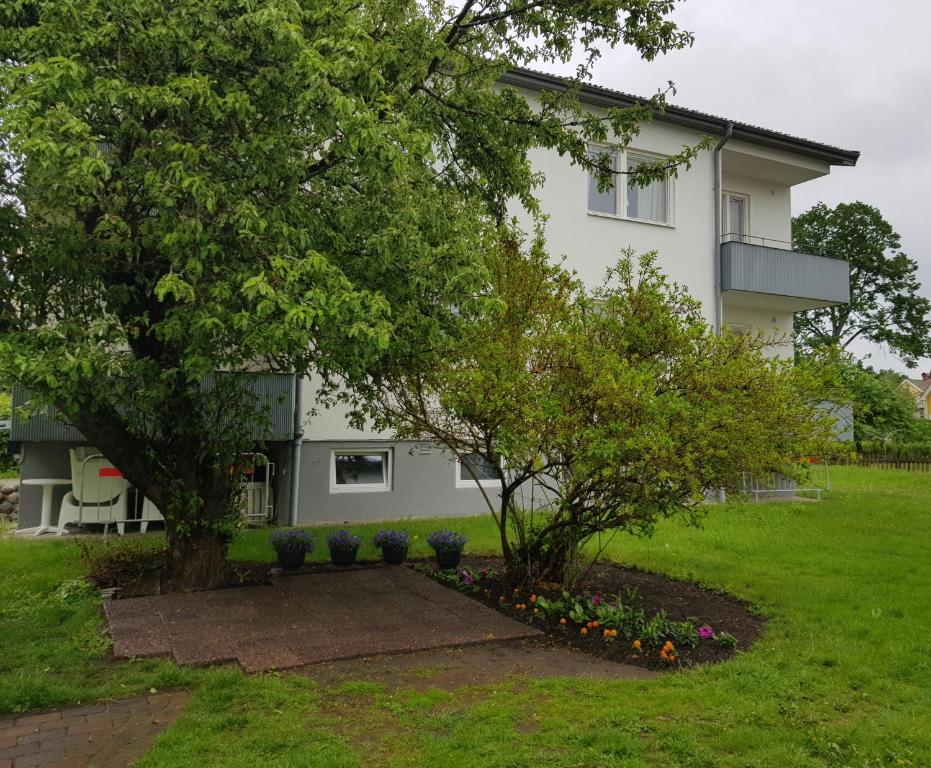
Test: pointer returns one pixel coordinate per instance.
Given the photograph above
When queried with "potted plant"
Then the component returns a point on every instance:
(292, 547)
(448, 546)
(393, 546)
(343, 547)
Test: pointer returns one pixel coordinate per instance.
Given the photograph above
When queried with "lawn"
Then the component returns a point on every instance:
(842, 676)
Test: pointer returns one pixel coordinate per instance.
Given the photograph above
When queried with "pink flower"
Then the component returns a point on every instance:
(704, 632)
(596, 600)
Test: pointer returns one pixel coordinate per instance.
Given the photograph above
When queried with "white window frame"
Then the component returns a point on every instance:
(384, 487)
(621, 184)
(726, 213)
(471, 483)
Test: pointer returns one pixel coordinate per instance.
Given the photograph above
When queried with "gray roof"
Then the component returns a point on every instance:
(689, 118)
(922, 384)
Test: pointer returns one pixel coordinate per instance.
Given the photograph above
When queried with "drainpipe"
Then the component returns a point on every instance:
(718, 308)
(296, 449)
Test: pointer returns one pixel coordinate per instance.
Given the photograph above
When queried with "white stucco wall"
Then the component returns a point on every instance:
(593, 242)
(775, 323)
(770, 206)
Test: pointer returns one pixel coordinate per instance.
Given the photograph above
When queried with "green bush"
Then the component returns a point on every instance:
(7, 462)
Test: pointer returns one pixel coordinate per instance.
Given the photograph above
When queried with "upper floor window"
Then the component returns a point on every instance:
(734, 213)
(625, 199)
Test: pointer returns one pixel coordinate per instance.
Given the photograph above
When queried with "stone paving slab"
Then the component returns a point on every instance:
(306, 619)
(98, 736)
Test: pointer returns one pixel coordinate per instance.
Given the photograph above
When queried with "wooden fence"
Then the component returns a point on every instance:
(879, 462)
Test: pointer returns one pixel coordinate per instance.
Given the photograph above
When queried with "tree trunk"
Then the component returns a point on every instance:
(197, 559)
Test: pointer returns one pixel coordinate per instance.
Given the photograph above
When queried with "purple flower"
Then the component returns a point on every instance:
(467, 579)
(704, 631)
(596, 600)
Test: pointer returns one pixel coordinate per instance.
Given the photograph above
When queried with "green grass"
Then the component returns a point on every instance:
(842, 676)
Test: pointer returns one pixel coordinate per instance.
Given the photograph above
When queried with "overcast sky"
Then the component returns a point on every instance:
(850, 73)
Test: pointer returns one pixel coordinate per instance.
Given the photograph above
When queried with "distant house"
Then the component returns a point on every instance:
(921, 390)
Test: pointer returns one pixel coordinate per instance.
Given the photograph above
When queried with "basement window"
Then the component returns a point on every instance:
(360, 471)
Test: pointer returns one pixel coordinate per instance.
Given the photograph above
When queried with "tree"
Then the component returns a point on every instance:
(882, 409)
(211, 185)
(618, 407)
(885, 306)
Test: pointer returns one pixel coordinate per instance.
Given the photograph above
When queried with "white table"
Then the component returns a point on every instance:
(48, 488)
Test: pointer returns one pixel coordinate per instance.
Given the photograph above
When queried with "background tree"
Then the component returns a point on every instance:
(885, 306)
(882, 409)
(206, 185)
(617, 408)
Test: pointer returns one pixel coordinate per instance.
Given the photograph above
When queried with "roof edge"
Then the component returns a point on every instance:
(520, 77)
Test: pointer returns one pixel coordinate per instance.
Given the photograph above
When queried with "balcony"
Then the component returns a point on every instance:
(768, 273)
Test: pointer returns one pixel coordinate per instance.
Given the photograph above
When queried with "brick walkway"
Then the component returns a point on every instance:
(100, 736)
(305, 620)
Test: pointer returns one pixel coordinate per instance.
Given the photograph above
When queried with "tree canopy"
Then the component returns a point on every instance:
(203, 185)
(885, 305)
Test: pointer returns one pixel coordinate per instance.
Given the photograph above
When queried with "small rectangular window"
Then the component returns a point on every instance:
(602, 201)
(475, 469)
(649, 203)
(360, 471)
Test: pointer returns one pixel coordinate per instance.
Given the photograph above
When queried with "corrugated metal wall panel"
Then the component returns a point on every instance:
(778, 272)
(274, 390)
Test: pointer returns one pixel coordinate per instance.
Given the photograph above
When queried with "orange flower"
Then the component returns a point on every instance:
(533, 598)
(595, 625)
(501, 599)
(583, 631)
(562, 620)
(635, 645)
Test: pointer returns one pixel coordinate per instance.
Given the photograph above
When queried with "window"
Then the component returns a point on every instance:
(472, 466)
(360, 471)
(602, 201)
(734, 213)
(650, 203)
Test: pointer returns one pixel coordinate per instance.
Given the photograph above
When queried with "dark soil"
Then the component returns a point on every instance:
(680, 599)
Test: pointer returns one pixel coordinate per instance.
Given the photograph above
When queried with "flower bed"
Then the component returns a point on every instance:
(620, 614)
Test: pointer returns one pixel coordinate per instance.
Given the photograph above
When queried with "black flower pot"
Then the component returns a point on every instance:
(448, 558)
(343, 555)
(291, 559)
(394, 555)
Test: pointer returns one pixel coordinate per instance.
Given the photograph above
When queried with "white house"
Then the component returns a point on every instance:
(722, 229)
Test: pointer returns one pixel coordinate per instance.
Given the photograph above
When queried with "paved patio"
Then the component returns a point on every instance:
(306, 620)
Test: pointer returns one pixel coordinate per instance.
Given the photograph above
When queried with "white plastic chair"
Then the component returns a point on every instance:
(99, 494)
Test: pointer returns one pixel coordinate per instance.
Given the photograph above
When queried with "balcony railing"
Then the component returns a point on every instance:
(752, 264)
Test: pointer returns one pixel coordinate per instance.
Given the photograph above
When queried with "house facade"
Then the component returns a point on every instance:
(722, 229)
(920, 389)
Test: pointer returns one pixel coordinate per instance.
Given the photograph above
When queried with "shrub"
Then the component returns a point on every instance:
(446, 542)
(392, 540)
(293, 540)
(126, 561)
(7, 462)
(343, 540)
